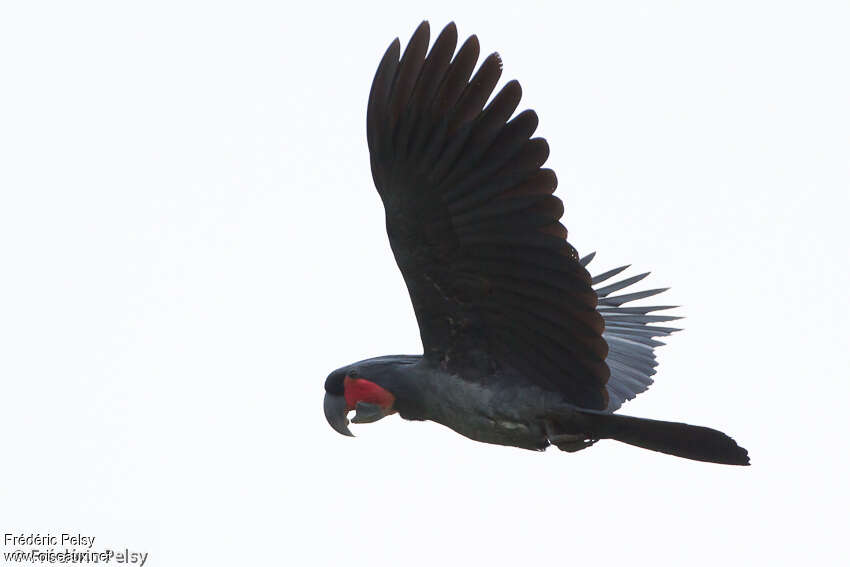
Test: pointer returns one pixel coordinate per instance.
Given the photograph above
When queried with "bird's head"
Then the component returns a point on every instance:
(355, 388)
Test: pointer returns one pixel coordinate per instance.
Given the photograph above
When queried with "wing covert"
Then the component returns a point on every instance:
(474, 225)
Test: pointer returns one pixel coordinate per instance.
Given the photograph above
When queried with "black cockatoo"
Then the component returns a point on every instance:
(522, 347)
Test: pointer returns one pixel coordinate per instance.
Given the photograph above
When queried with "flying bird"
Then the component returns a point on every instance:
(521, 346)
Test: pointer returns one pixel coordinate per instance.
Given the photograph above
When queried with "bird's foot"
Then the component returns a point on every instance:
(572, 443)
(569, 442)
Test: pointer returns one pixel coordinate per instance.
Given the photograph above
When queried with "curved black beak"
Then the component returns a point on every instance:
(337, 414)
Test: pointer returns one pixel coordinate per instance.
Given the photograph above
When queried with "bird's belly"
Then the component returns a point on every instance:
(497, 411)
(526, 435)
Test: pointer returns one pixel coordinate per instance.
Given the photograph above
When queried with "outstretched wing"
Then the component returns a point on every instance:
(473, 223)
(630, 333)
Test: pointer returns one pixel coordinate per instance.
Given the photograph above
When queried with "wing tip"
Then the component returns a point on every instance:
(498, 58)
(394, 47)
(473, 43)
(449, 31)
(585, 260)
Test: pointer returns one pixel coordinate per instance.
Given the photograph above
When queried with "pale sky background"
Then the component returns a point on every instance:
(191, 241)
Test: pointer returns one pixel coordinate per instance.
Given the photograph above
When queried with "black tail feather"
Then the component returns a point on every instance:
(679, 439)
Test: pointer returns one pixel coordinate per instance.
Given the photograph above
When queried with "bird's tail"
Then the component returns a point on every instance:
(679, 439)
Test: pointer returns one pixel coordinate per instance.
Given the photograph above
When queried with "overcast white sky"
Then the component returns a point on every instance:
(191, 242)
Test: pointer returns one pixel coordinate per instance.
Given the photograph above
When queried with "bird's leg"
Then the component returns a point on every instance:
(569, 442)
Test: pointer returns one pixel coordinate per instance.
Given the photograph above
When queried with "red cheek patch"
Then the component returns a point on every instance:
(360, 390)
